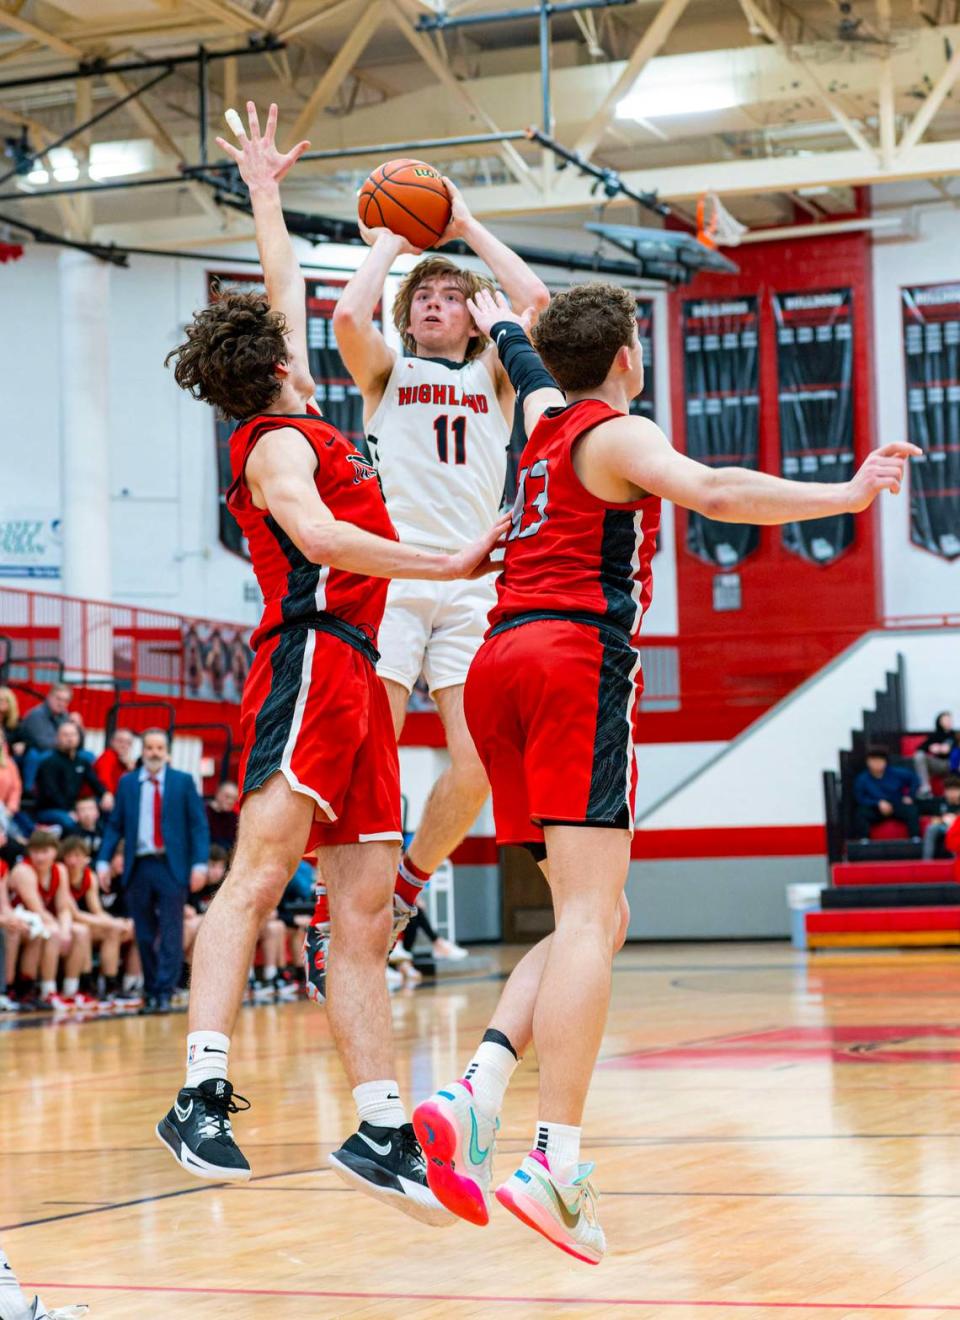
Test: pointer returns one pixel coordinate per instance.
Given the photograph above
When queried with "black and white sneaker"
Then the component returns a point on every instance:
(387, 1163)
(197, 1131)
(316, 947)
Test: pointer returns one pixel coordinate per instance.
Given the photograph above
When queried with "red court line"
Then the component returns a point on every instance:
(509, 1300)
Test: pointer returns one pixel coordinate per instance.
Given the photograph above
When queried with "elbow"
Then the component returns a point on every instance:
(319, 544)
(714, 501)
(539, 298)
(343, 317)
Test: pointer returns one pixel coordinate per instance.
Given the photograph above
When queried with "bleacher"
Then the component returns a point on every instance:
(882, 893)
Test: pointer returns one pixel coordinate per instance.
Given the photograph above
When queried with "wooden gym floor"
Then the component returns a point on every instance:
(772, 1137)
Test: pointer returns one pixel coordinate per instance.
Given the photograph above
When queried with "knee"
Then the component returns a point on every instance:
(467, 769)
(362, 927)
(259, 887)
(623, 921)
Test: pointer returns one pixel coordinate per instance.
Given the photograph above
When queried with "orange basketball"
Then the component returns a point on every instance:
(408, 197)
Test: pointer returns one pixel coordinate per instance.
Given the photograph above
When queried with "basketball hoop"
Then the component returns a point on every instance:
(716, 227)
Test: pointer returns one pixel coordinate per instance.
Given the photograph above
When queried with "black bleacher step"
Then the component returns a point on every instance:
(883, 850)
(891, 896)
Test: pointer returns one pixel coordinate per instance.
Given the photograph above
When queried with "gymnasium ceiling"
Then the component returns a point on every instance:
(776, 104)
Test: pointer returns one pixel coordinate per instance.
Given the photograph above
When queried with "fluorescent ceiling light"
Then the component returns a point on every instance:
(113, 160)
(64, 162)
(662, 101)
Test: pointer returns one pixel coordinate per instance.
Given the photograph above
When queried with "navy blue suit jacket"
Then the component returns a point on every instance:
(186, 835)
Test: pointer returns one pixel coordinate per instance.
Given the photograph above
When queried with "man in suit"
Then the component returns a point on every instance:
(160, 818)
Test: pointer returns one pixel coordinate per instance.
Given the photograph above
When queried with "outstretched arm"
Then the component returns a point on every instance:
(535, 388)
(280, 474)
(262, 167)
(523, 288)
(636, 450)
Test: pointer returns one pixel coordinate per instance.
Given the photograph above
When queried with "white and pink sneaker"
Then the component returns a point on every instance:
(564, 1213)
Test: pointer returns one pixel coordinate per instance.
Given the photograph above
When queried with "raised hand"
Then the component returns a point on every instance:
(461, 216)
(257, 157)
(881, 470)
(488, 308)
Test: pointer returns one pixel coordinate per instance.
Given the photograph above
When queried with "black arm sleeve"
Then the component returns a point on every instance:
(520, 359)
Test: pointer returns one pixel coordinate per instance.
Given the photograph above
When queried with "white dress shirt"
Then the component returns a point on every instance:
(145, 843)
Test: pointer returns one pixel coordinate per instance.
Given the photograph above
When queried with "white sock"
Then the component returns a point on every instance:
(269, 972)
(12, 1299)
(489, 1073)
(379, 1103)
(71, 984)
(561, 1145)
(207, 1055)
(48, 988)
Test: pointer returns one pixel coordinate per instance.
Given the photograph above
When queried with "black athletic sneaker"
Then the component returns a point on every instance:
(387, 1163)
(315, 950)
(197, 1130)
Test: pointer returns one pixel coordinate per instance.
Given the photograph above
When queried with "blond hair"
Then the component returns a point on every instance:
(467, 281)
(11, 717)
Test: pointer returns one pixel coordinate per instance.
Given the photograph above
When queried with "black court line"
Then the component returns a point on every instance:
(147, 1200)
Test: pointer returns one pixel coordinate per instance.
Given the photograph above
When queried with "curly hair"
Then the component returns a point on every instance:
(230, 354)
(581, 332)
(467, 281)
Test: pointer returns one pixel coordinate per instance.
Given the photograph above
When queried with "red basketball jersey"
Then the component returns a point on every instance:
(82, 888)
(48, 888)
(568, 551)
(294, 589)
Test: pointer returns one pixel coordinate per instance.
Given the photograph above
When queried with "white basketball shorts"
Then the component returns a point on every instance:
(435, 628)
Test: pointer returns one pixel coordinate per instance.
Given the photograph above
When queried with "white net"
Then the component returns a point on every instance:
(716, 227)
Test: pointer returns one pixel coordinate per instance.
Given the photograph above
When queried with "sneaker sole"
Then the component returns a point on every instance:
(314, 995)
(439, 1138)
(170, 1138)
(541, 1226)
(398, 1200)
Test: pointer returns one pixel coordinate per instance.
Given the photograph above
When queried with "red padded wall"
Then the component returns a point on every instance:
(782, 594)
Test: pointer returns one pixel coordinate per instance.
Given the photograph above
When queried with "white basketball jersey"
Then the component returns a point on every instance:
(439, 440)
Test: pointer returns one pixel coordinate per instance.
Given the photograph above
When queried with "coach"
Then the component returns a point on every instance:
(160, 818)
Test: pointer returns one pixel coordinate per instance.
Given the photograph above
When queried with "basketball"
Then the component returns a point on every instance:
(409, 198)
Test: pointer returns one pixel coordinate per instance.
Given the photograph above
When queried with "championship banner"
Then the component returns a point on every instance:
(30, 543)
(931, 337)
(722, 388)
(646, 404)
(337, 396)
(216, 660)
(815, 392)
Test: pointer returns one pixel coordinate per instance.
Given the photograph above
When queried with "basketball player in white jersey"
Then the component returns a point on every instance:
(438, 419)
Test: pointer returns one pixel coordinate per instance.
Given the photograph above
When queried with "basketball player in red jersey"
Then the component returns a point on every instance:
(319, 766)
(551, 701)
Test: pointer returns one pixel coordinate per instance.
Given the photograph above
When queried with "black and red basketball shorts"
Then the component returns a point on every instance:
(552, 708)
(314, 709)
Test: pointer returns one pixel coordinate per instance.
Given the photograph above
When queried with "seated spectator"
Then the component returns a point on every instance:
(932, 757)
(39, 882)
(110, 934)
(222, 815)
(945, 812)
(15, 822)
(10, 718)
(88, 826)
(19, 935)
(116, 759)
(296, 907)
(38, 731)
(59, 778)
(76, 718)
(884, 792)
(202, 892)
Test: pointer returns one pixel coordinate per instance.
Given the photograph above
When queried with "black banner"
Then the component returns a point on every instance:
(931, 336)
(722, 388)
(337, 396)
(815, 391)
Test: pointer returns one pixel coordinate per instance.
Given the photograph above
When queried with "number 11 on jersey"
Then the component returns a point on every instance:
(459, 428)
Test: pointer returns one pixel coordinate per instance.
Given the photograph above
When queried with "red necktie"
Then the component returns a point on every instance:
(157, 813)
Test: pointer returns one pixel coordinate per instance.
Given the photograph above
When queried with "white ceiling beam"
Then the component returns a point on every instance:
(761, 19)
(888, 114)
(733, 177)
(941, 90)
(311, 20)
(346, 57)
(652, 40)
(48, 39)
(239, 20)
(511, 157)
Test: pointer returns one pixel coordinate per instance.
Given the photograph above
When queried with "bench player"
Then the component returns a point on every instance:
(438, 421)
(551, 702)
(319, 763)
